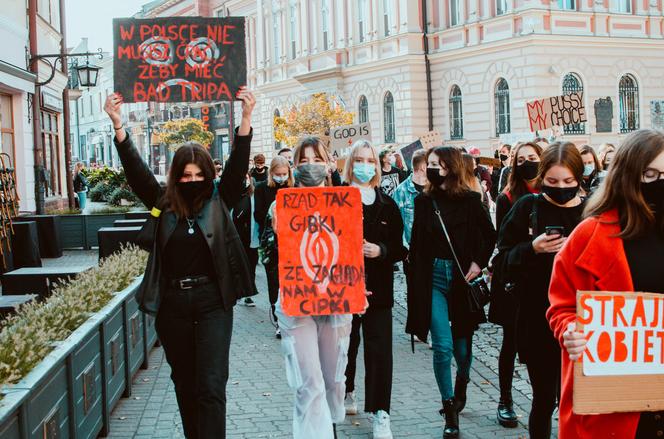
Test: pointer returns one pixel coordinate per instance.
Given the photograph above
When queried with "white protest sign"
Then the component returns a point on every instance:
(342, 138)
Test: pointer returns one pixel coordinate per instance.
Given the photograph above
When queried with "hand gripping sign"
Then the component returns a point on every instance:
(622, 368)
(321, 264)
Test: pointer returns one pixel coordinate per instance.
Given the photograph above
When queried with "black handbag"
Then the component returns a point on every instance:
(148, 234)
(478, 291)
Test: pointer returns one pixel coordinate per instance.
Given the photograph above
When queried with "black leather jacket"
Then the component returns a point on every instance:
(230, 261)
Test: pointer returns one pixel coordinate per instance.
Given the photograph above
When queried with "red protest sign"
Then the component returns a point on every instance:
(556, 111)
(622, 369)
(321, 264)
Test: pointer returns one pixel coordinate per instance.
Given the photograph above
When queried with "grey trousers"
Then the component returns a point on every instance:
(316, 353)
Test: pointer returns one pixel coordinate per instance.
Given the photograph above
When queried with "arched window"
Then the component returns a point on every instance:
(456, 114)
(628, 96)
(277, 145)
(501, 98)
(388, 113)
(572, 84)
(363, 110)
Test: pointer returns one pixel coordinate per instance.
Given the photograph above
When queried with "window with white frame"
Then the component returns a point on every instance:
(572, 84)
(568, 5)
(501, 98)
(363, 110)
(293, 29)
(628, 98)
(325, 23)
(388, 16)
(276, 35)
(362, 19)
(456, 114)
(388, 114)
(501, 7)
(624, 6)
(455, 13)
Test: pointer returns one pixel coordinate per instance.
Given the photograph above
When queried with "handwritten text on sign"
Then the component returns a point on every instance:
(556, 111)
(321, 265)
(342, 138)
(179, 59)
(625, 333)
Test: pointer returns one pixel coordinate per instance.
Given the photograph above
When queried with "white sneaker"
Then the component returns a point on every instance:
(349, 404)
(381, 425)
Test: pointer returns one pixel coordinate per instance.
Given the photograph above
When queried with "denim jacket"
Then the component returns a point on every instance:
(404, 195)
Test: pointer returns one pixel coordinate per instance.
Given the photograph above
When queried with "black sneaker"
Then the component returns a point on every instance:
(506, 415)
(249, 302)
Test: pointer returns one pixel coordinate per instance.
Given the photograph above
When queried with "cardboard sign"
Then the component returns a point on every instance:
(179, 59)
(408, 151)
(431, 140)
(622, 368)
(321, 264)
(556, 111)
(489, 161)
(343, 138)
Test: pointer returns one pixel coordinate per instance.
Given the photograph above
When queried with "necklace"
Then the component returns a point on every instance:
(190, 223)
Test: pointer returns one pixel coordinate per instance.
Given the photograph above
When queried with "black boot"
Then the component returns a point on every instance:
(460, 387)
(451, 419)
(506, 416)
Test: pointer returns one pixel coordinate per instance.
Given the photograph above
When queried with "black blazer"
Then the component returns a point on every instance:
(473, 237)
(264, 196)
(230, 261)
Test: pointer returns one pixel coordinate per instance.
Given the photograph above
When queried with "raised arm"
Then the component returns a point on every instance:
(231, 182)
(139, 176)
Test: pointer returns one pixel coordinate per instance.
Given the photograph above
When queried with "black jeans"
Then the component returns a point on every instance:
(196, 331)
(272, 274)
(544, 374)
(506, 362)
(377, 333)
(252, 255)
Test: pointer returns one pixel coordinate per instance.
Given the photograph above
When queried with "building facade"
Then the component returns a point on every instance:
(482, 62)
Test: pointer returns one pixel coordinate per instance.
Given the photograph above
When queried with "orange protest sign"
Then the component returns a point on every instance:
(321, 264)
(622, 369)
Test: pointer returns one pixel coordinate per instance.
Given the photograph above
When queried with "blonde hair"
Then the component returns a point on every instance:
(277, 162)
(348, 168)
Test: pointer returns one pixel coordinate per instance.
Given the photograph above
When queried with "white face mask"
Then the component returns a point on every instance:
(393, 160)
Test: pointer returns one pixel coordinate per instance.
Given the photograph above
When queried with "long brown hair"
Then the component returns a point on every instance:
(516, 186)
(188, 153)
(587, 149)
(565, 154)
(622, 187)
(455, 184)
(469, 173)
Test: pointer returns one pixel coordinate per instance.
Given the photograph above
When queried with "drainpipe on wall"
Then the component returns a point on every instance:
(427, 63)
(65, 110)
(40, 196)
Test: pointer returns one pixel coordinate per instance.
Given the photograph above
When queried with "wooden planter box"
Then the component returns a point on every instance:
(80, 231)
(72, 392)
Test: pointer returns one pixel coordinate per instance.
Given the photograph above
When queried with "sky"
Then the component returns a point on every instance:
(94, 19)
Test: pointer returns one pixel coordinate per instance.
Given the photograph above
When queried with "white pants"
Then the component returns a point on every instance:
(316, 354)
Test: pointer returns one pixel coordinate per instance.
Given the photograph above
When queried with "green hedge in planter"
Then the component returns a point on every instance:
(100, 192)
(120, 194)
(28, 336)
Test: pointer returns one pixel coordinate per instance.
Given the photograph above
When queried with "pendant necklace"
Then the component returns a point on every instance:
(190, 223)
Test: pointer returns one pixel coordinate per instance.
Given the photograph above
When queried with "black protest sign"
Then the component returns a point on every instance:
(408, 151)
(179, 59)
(604, 115)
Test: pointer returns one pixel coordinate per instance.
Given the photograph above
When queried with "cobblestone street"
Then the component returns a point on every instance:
(260, 403)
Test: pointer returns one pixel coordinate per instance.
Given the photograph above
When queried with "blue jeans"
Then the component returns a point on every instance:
(441, 333)
(82, 199)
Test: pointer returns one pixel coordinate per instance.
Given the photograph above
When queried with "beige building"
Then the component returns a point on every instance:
(486, 59)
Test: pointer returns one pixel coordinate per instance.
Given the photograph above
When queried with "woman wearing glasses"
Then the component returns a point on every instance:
(618, 247)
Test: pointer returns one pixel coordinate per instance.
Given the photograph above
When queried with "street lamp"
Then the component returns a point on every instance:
(87, 74)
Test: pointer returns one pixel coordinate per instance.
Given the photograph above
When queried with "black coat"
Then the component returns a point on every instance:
(230, 261)
(473, 237)
(502, 309)
(264, 196)
(80, 183)
(383, 227)
(241, 214)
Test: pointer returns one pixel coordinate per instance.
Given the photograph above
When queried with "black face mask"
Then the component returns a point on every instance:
(503, 157)
(527, 170)
(561, 195)
(434, 177)
(653, 193)
(191, 189)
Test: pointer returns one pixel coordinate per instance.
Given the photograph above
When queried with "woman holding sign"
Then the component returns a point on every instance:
(383, 246)
(197, 268)
(619, 247)
(315, 347)
(532, 233)
(440, 267)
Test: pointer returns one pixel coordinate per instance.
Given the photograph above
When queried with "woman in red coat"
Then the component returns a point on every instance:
(619, 247)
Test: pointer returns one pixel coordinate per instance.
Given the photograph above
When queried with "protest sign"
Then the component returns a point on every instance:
(556, 111)
(489, 161)
(431, 140)
(622, 368)
(408, 151)
(342, 138)
(321, 264)
(179, 59)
